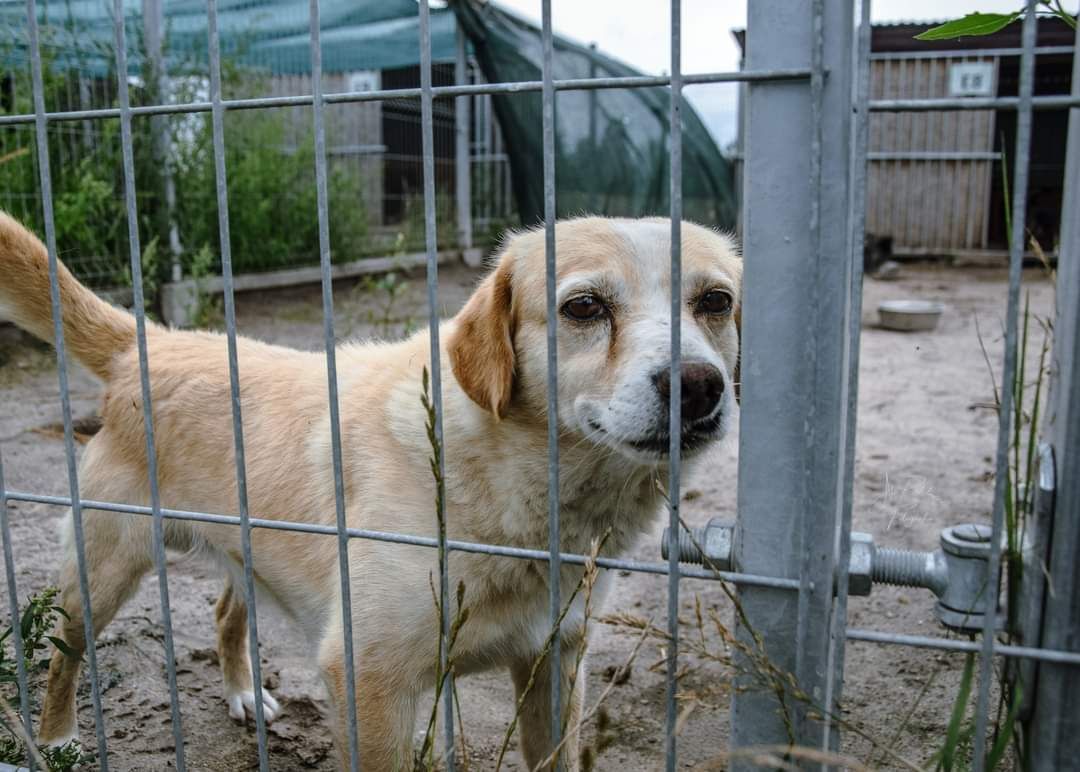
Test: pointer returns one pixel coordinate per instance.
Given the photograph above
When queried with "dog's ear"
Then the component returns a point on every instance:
(737, 375)
(481, 346)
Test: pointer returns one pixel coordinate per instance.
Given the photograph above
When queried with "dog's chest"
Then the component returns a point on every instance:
(510, 618)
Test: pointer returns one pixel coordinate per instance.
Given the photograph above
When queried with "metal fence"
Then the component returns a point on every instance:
(807, 109)
(373, 153)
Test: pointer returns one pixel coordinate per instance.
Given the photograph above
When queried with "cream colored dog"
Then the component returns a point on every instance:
(613, 289)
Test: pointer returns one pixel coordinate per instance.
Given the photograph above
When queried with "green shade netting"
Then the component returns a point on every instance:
(611, 145)
(269, 34)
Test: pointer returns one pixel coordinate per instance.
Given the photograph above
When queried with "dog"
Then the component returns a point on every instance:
(614, 327)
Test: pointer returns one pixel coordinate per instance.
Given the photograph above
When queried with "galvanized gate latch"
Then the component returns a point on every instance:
(958, 573)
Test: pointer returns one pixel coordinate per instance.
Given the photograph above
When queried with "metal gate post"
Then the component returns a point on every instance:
(797, 338)
(1054, 727)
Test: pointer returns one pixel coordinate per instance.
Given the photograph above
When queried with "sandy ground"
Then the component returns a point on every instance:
(925, 443)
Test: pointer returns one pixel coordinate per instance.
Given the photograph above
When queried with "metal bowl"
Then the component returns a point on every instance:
(910, 315)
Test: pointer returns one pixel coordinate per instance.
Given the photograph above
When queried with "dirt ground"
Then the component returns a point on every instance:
(925, 442)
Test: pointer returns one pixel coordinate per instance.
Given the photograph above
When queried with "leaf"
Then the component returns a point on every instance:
(26, 624)
(997, 753)
(67, 650)
(972, 24)
(953, 734)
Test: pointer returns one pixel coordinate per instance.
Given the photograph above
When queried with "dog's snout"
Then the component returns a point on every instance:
(702, 389)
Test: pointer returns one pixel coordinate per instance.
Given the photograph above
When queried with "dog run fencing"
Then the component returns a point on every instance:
(792, 557)
(373, 147)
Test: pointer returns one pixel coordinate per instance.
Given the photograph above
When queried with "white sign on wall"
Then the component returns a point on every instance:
(362, 80)
(971, 79)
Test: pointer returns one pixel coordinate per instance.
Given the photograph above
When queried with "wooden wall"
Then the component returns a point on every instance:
(927, 205)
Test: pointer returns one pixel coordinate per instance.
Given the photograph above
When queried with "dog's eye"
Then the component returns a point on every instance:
(584, 308)
(715, 302)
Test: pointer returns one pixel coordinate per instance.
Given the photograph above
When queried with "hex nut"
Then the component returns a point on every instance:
(861, 564)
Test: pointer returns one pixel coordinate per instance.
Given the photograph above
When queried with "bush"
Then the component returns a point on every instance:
(273, 217)
(271, 178)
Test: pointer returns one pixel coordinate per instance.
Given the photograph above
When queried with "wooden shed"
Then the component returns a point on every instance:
(935, 184)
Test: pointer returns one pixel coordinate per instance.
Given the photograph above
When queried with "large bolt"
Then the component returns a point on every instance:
(906, 568)
(957, 573)
(709, 545)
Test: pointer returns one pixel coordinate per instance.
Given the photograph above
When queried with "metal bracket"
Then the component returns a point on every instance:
(1033, 584)
(957, 573)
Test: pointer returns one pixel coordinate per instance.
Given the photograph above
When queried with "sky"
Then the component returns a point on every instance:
(636, 32)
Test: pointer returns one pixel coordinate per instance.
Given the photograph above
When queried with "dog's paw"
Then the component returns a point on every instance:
(66, 738)
(66, 751)
(242, 705)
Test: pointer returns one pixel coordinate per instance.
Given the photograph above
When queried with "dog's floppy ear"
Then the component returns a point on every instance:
(481, 346)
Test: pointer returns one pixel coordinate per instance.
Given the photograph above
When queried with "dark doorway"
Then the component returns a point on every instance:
(404, 172)
(1053, 75)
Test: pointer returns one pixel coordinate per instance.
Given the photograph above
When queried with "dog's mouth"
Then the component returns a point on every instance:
(694, 437)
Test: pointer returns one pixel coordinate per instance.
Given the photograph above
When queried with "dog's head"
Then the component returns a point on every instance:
(613, 296)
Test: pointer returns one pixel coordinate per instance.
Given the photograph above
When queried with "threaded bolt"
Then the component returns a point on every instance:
(710, 545)
(689, 551)
(906, 568)
(900, 567)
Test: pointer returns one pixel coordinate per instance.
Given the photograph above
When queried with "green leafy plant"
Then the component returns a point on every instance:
(35, 625)
(976, 24)
(270, 164)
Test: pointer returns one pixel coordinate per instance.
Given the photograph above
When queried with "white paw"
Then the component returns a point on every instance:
(242, 704)
(71, 736)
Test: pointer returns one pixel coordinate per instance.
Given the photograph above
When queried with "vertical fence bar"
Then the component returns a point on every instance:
(463, 148)
(430, 240)
(1054, 728)
(792, 457)
(905, 126)
(13, 609)
(1021, 156)
(153, 23)
(850, 388)
(829, 436)
(594, 109)
(158, 524)
(806, 523)
(318, 107)
(554, 541)
(675, 403)
(222, 189)
(45, 180)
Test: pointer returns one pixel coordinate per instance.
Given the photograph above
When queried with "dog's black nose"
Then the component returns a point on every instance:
(702, 388)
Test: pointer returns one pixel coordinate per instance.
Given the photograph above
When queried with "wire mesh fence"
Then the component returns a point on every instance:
(808, 107)
(374, 158)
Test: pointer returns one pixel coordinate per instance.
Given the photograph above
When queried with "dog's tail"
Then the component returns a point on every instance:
(94, 331)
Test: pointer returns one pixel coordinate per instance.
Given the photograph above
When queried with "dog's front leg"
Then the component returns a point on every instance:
(535, 718)
(385, 707)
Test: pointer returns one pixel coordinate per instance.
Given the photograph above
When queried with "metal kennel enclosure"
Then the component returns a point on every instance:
(804, 177)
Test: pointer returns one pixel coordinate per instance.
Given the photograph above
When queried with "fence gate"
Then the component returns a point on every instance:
(793, 557)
